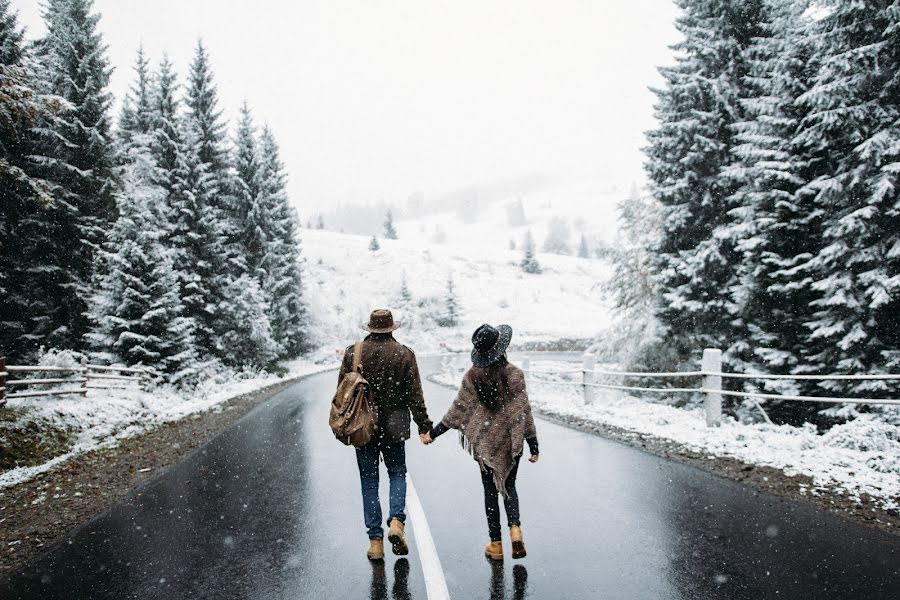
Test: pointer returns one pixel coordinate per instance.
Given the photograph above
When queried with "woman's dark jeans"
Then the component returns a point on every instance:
(395, 461)
(492, 506)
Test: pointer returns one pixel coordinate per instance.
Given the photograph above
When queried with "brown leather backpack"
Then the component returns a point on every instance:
(354, 418)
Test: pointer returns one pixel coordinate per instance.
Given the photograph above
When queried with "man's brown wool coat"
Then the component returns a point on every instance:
(393, 374)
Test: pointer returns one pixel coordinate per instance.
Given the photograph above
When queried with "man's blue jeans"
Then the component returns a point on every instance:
(395, 461)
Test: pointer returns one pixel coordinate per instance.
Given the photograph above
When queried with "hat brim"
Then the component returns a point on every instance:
(486, 359)
(391, 329)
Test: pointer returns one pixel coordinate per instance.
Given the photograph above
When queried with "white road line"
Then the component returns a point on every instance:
(435, 584)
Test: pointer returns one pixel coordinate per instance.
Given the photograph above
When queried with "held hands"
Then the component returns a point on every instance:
(425, 438)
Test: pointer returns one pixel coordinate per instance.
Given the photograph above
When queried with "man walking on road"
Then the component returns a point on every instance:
(393, 376)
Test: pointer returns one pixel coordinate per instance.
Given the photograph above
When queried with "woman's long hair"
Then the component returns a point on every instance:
(492, 385)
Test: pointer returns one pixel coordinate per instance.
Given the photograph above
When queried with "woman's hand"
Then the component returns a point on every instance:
(534, 458)
(425, 438)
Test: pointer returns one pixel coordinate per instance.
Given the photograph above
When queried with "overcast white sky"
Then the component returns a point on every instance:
(373, 99)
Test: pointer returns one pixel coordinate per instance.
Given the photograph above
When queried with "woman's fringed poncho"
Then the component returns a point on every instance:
(495, 439)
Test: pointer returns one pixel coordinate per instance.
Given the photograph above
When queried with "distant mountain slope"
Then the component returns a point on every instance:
(345, 280)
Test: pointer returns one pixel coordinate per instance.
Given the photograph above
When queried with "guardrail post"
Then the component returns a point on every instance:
(2, 381)
(84, 376)
(712, 383)
(526, 367)
(587, 372)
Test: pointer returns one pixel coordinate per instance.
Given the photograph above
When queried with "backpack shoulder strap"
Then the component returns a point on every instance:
(357, 357)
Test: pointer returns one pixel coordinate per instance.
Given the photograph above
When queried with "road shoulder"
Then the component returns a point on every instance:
(37, 514)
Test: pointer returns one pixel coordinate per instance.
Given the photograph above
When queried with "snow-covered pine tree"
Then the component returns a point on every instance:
(80, 153)
(583, 250)
(390, 232)
(166, 142)
(137, 132)
(34, 227)
(451, 305)
(404, 303)
(205, 118)
(515, 214)
(854, 110)
(74, 57)
(775, 227)
(251, 221)
(12, 51)
(284, 282)
(202, 100)
(636, 342)
(529, 260)
(197, 239)
(557, 241)
(248, 338)
(320, 222)
(374, 246)
(137, 315)
(406, 296)
(696, 108)
(136, 119)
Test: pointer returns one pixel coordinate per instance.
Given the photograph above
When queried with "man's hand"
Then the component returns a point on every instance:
(533, 459)
(425, 438)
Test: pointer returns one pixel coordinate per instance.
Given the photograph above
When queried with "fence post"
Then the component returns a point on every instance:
(84, 376)
(2, 381)
(587, 372)
(526, 367)
(712, 382)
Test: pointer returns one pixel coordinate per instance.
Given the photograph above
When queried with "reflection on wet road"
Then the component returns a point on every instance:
(271, 510)
(498, 589)
(400, 586)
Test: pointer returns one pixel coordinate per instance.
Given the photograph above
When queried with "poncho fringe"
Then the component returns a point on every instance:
(494, 439)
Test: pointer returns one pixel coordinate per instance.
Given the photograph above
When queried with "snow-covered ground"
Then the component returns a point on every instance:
(858, 457)
(106, 416)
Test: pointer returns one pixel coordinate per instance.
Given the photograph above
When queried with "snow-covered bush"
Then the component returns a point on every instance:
(55, 357)
(865, 435)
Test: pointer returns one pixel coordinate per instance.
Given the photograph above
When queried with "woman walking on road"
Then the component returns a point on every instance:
(493, 416)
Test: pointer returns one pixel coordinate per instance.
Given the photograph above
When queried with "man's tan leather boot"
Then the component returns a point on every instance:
(397, 538)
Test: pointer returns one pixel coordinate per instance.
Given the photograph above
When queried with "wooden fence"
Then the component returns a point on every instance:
(60, 381)
(710, 384)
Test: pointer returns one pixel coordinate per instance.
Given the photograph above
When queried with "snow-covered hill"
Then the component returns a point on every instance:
(345, 281)
(587, 208)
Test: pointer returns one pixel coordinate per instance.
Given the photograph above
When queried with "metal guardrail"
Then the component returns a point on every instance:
(711, 385)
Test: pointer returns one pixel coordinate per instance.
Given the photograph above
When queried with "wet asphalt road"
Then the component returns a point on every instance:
(271, 510)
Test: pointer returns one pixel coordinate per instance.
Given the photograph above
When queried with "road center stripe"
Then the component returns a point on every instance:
(435, 584)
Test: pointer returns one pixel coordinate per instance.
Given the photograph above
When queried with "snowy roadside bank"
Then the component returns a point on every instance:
(858, 461)
(106, 417)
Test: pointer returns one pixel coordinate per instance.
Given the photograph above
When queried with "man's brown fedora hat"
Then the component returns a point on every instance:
(381, 321)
